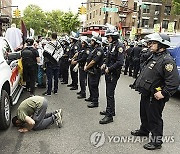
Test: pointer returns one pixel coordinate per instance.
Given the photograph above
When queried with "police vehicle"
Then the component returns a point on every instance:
(175, 51)
(10, 89)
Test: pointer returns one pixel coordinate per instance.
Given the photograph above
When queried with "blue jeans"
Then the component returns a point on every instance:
(52, 72)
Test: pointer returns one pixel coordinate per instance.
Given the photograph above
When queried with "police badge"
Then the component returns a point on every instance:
(98, 53)
(87, 52)
(169, 67)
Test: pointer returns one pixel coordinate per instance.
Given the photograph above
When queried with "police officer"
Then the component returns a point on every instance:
(145, 53)
(65, 62)
(74, 48)
(112, 67)
(81, 60)
(136, 58)
(157, 81)
(128, 61)
(92, 66)
(30, 58)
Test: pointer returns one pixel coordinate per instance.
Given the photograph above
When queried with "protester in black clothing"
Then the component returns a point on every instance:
(30, 58)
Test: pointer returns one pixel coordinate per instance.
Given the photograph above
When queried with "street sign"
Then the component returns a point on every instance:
(108, 9)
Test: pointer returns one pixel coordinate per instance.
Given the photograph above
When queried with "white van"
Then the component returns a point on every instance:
(10, 89)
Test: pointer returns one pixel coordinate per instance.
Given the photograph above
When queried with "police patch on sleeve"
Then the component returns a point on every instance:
(75, 47)
(87, 52)
(169, 67)
(121, 50)
(98, 53)
(67, 49)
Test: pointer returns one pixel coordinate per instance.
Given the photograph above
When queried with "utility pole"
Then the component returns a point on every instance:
(106, 14)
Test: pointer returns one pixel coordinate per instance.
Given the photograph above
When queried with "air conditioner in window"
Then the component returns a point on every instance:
(156, 12)
(146, 26)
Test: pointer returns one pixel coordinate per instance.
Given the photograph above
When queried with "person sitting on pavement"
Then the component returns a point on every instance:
(31, 115)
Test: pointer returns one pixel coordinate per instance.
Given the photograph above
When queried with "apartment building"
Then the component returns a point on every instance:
(142, 14)
(97, 15)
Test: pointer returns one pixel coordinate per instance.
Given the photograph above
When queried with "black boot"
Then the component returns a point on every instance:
(105, 113)
(74, 88)
(139, 133)
(88, 99)
(92, 105)
(152, 146)
(78, 93)
(106, 120)
(70, 85)
(81, 96)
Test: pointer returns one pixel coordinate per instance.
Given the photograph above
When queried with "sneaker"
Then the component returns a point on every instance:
(56, 111)
(46, 94)
(59, 118)
(55, 92)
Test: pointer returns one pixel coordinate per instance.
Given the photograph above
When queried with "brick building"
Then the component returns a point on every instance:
(142, 14)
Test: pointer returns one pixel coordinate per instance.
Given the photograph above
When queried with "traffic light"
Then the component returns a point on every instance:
(82, 10)
(79, 10)
(16, 13)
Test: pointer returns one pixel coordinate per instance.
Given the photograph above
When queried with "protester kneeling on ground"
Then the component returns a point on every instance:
(31, 115)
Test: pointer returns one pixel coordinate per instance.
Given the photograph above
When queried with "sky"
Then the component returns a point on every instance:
(48, 5)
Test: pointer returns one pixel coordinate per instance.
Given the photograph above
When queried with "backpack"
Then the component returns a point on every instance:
(28, 57)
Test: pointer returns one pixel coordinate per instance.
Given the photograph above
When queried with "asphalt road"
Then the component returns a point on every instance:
(81, 132)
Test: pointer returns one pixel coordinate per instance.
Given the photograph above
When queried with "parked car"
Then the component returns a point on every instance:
(10, 89)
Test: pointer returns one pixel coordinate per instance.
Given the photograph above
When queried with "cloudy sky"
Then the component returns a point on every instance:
(48, 5)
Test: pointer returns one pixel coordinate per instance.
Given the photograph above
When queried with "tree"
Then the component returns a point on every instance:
(176, 5)
(53, 21)
(69, 22)
(34, 18)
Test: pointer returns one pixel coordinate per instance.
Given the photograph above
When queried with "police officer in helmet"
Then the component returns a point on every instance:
(112, 67)
(74, 48)
(157, 82)
(92, 66)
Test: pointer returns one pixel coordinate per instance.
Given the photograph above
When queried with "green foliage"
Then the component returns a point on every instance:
(176, 5)
(34, 18)
(46, 22)
(69, 22)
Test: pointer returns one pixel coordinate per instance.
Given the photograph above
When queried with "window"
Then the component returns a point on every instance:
(146, 8)
(145, 22)
(135, 6)
(133, 21)
(167, 10)
(110, 20)
(155, 21)
(93, 14)
(165, 24)
(157, 8)
(87, 17)
(90, 16)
